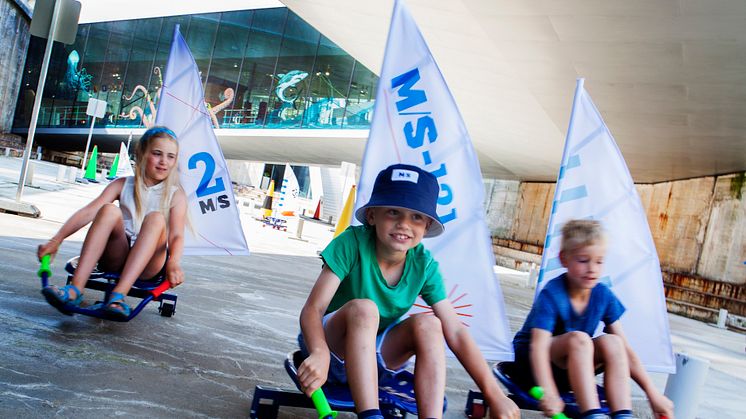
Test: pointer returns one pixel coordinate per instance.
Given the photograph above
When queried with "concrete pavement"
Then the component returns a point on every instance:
(236, 319)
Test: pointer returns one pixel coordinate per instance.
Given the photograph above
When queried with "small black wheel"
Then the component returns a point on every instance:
(167, 309)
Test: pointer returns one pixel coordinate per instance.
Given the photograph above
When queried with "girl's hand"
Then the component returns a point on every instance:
(504, 408)
(551, 404)
(174, 274)
(313, 371)
(49, 248)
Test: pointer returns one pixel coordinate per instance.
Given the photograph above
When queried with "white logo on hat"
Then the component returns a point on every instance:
(406, 175)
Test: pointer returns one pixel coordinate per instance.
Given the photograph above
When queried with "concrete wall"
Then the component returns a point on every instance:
(14, 39)
(698, 225)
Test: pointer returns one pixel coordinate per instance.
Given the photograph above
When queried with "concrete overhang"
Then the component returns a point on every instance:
(298, 146)
(669, 77)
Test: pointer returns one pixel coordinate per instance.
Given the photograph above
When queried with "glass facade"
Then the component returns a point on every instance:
(263, 68)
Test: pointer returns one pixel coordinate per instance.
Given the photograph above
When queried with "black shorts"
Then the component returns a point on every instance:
(161, 275)
(521, 373)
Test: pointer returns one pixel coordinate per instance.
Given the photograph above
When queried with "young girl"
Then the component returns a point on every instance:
(352, 324)
(556, 349)
(143, 237)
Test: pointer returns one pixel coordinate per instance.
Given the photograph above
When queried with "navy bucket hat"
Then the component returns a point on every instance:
(408, 187)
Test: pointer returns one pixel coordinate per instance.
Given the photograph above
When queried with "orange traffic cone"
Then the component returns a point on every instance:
(267, 205)
(317, 213)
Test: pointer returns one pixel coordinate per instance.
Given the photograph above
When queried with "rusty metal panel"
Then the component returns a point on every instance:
(678, 215)
(704, 292)
(724, 249)
(532, 213)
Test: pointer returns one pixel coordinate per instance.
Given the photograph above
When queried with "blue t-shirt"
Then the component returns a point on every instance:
(553, 312)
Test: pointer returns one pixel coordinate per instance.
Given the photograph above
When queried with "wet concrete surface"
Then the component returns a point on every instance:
(236, 319)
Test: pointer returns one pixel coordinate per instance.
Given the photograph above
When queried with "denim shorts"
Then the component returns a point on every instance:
(337, 372)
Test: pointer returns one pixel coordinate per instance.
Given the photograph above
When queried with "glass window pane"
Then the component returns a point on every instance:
(255, 81)
(115, 68)
(137, 98)
(230, 44)
(299, 45)
(329, 85)
(201, 38)
(359, 111)
(95, 54)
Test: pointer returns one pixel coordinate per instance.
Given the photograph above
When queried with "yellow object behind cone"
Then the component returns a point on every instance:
(345, 218)
(267, 205)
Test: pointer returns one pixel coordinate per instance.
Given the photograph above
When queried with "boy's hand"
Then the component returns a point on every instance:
(662, 406)
(551, 404)
(504, 408)
(313, 371)
(174, 274)
(49, 248)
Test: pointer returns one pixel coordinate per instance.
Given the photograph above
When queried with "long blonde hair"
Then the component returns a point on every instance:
(171, 183)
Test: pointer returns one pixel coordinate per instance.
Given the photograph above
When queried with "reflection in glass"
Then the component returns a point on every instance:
(264, 68)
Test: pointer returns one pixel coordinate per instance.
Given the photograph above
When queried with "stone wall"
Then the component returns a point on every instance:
(14, 39)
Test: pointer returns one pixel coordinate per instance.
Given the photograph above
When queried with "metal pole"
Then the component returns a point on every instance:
(37, 100)
(129, 140)
(88, 144)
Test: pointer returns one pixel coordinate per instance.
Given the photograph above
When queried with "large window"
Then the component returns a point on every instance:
(138, 93)
(263, 68)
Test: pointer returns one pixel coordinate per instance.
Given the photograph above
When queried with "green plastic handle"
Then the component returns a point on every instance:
(44, 268)
(538, 393)
(322, 406)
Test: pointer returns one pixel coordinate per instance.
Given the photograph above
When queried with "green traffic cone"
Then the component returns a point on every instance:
(114, 168)
(90, 170)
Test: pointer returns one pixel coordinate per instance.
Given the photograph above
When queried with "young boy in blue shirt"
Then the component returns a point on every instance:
(556, 349)
(351, 329)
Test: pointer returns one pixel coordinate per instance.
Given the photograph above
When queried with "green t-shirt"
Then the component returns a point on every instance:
(352, 257)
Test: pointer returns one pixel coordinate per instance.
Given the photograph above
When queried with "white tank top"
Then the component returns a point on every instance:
(151, 201)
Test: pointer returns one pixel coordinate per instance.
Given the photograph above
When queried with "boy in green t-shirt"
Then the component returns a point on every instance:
(350, 324)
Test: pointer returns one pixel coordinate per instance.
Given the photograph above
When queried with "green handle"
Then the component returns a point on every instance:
(538, 393)
(44, 268)
(322, 406)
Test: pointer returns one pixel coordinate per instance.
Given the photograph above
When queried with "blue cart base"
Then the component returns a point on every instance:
(476, 407)
(146, 290)
(396, 396)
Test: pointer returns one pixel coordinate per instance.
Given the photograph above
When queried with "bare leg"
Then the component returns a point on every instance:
(106, 241)
(610, 351)
(147, 256)
(573, 351)
(351, 334)
(420, 335)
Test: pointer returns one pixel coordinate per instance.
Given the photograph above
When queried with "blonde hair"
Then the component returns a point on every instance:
(170, 183)
(581, 233)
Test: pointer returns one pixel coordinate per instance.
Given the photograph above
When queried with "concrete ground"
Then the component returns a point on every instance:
(236, 320)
